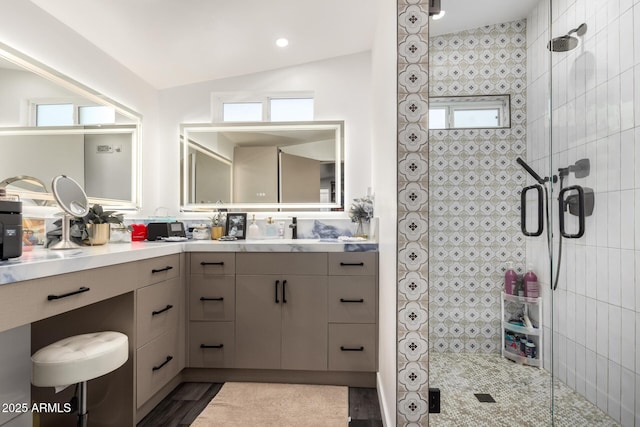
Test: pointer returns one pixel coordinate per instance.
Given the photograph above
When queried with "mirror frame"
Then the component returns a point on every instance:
(29, 64)
(185, 128)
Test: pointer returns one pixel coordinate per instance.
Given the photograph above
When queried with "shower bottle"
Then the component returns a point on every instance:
(510, 277)
(531, 288)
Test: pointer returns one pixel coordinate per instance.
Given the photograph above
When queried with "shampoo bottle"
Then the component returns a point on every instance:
(510, 277)
(531, 288)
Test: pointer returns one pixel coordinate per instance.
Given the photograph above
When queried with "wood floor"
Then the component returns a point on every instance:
(183, 405)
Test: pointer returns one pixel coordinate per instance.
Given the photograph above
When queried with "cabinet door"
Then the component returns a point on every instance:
(304, 323)
(258, 322)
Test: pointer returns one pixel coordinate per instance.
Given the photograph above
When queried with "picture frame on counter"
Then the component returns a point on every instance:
(236, 225)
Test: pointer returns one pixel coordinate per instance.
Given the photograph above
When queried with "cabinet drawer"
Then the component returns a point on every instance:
(352, 347)
(157, 363)
(281, 263)
(158, 308)
(212, 297)
(211, 344)
(352, 299)
(31, 300)
(158, 269)
(353, 263)
(213, 263)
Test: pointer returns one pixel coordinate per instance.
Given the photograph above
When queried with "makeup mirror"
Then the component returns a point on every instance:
(73, 201)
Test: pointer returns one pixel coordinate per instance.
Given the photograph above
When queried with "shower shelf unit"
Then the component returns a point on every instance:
(533, 307)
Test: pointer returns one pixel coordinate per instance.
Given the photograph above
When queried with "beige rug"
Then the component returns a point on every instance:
(278, 405)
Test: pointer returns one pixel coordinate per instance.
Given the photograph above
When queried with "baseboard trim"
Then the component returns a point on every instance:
(384, 409)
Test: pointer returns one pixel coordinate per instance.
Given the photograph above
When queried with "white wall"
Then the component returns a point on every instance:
(596, 113)
(342, 91)
(384, 178)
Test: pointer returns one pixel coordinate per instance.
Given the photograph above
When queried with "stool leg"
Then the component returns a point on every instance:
(82, 404)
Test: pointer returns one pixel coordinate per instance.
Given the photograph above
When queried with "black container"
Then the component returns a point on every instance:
(10, 229)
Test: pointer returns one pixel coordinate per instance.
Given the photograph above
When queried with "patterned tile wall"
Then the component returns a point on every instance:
(474, 188)
(413, 213)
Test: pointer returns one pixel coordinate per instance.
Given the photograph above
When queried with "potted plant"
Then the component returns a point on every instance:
(97, 223)
(218, 222)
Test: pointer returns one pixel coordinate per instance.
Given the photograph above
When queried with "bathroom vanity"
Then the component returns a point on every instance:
(294, 311)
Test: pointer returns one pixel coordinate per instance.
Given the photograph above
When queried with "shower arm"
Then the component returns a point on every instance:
(532, 172)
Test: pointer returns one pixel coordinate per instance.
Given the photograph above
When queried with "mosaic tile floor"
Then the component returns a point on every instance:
(521, 394)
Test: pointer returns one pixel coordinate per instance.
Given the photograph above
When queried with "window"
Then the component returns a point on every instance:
(49, 113)
(491, 111)
(273, 107)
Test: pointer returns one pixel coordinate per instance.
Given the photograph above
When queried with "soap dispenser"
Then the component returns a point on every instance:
(270, 229)
(254, 230)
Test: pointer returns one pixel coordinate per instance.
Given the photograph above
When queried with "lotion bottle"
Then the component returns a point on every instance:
(254, 230)
(510, 277)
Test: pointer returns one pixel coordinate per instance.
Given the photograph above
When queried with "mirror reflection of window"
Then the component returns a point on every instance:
(54, 115)
(291, 109)
(96, 115)
(242, 112)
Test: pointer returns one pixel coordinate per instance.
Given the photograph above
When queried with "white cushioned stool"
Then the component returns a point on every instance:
(78, 359)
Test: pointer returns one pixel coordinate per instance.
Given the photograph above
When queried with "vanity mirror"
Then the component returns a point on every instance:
(73, 201)
(50, 124)
(293, 165)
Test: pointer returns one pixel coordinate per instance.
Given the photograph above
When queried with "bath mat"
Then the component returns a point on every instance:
(278, 405)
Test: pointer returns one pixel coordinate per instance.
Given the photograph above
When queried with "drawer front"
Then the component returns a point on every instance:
(352, 347)
(158, 269)
(211, 344)
(32, 300)
(353, 263)
(352, 299)
(213, 263)
(310, 264)
(157, 363)
(212, 297)
(158, 309)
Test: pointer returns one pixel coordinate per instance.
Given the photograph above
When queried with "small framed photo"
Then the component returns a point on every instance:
(236, 225)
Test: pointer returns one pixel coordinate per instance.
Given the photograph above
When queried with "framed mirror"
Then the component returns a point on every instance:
(52, 125)
(266, 165)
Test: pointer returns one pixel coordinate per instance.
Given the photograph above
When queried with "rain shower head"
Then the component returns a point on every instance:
(569, 41)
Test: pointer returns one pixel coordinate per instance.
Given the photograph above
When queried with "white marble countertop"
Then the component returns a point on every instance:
(41, 262)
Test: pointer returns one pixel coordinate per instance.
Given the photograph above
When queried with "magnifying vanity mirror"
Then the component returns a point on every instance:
(51, 124)
(266, 165)
(73, 201)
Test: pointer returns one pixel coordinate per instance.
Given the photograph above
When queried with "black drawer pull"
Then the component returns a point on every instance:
(79, 291)
(351, 300)
(342, 348)
(167, 308)
(349, 264)
(211, 299)
(211, 263)
(211, 346)
(167, 360)
(284, 291)
(160, 270)
(277, 300)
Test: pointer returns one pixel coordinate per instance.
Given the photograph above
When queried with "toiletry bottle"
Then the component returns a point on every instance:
(281, 229)
(531, 289)
(254, 230)
(518, 289)
(270, 229)
(510, 277)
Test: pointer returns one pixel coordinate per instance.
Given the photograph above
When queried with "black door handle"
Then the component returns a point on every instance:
(211, 299)
(160, 270)
(277, 300)
(167, 308)
(79, 291)
(581, 211)
(351, 300)
(167, 360)
(342, 348)
(211, 263)
(348, 264)
(284, 290)
(523, 210)
(211, 346)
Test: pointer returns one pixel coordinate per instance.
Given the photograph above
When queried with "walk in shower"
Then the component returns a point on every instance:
(556, 191)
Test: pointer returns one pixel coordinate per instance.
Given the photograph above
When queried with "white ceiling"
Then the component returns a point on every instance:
(175, 42)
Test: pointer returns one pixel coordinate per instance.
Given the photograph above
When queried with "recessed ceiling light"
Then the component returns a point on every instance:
(438, 15)
(282, 42)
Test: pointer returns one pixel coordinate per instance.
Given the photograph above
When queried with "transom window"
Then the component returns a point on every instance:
(278, 107)
(70, 114)
(492, 111)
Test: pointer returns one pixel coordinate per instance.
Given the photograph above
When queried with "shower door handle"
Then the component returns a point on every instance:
(523, 210)
(562, 201)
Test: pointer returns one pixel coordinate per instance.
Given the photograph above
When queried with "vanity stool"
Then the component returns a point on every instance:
(78, 359)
